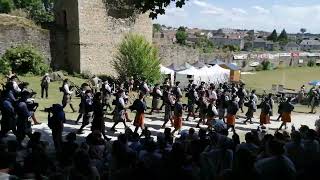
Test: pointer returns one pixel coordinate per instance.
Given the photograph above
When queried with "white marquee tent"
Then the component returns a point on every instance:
(214, 74)
(167, 71)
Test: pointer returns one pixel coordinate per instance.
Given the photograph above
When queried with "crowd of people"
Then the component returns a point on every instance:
(205, 152)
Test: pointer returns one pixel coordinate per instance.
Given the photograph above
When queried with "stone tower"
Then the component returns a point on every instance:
(89, 31)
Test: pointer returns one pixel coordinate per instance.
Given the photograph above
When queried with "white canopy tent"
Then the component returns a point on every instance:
(214, 74)
(167, 71)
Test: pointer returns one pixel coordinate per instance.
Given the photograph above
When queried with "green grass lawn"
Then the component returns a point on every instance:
(292, 78)
(55, 96)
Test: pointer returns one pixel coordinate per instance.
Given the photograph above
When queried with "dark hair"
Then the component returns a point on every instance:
(71, 136)
(276, 147)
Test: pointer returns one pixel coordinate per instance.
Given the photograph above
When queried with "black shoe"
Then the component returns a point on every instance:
(114, 130)
(79, 132)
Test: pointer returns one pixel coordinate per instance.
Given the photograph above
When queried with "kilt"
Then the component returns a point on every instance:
(286, 117)
(155, 103)
(231, 119)
(202, 114)
(190, 107)
(167, 112)
(87, 118)
(98, 124)
(66, 99)
(177, 123)
(249, 114)
(264, 118)
(119, 116)
(221, 112)
(81, 109)
(139, 120)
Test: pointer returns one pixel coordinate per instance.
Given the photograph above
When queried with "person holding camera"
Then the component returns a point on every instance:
(88, 110)
(66, 95)
(55, 123)
(45, 85)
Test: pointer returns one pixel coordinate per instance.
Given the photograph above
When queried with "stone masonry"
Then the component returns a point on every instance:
(17, 30)
(91, 34)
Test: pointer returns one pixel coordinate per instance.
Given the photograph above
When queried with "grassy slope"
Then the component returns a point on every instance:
(292, 78)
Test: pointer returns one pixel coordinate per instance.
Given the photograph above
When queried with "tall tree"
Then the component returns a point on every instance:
(273, 36)
(283, 37)
(303, 30)
(181, 35)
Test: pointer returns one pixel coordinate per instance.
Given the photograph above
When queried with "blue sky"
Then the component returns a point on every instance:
(246, 14)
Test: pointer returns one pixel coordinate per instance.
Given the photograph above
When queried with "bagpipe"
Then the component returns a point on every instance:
(73, 87)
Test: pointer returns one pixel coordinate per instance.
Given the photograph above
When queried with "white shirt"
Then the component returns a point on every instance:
(145, 86)
(15, 86)
(159, 92)
(107, 87)
(66, 88)
(121, 101)
(213, 95)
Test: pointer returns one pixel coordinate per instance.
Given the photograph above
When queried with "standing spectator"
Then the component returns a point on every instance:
(24, 118)
(45, 85)
(55, 122)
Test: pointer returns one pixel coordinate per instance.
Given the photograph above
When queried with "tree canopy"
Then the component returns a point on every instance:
(181, 35)
(283, 37)
(156, 7)
(273, 36)
(138, 58)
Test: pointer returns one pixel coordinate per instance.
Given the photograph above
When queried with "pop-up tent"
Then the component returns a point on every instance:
(167, 71)
(198, 64)
(221, 75)
(186, 75)
(214, 74)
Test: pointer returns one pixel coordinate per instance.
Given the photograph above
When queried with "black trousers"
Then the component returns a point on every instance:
(44, 89)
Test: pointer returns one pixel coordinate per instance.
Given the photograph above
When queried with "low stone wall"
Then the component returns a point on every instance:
(17, 30)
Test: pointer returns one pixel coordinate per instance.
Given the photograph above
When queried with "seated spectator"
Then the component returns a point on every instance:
(277, 166)
(295, 150)
(249, 144)
(82, 168)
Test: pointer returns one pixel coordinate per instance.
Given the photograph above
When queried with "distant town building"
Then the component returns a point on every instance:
(221, 41)
(310, 45)
(292, 46)
(260, 43)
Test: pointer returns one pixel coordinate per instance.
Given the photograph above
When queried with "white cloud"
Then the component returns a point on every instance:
(205, 14)
(200, 3)
(239, 11)
(261, 9)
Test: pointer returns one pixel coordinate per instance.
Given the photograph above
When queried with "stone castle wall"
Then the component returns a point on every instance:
(17, 30)
(94, 36)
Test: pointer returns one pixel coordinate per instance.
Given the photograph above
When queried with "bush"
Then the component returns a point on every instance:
(6, 6)
(266, 65)
(138, 58)
(24, 59)
(311, 63)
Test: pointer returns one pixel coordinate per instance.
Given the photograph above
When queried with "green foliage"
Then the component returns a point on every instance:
(181, 35)
(138, 58)
(40, 11)
(283, 37)
(266, 65)
(156, 28)
(6, 6)
(156, 7)
(231, 48)
(311, 63)
(24, 59)
(204, 44)
(303, 30)
(273, 36)
(248, 46)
